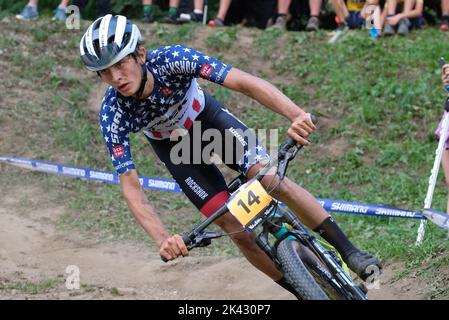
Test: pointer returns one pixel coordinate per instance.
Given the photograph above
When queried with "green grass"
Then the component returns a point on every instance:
(383, 98)
(31, 287)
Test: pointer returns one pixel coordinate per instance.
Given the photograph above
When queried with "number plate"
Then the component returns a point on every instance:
(250, 203)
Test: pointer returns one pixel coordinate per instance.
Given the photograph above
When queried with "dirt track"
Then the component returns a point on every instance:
(32, 249)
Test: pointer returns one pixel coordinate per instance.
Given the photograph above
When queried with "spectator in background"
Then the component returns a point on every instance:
(221, 15)
(314, 21)
(411, 16)
(30, 11)
(283, 6)
(349, 14)
(372, 15)
(356, 13)
(251, 13)
(444, 26)
(196, 15)
(103, 7)
(172, 11)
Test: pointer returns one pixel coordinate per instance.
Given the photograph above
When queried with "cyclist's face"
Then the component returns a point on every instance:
(125, 75)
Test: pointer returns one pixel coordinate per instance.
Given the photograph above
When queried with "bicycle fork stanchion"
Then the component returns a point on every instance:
(436, 164)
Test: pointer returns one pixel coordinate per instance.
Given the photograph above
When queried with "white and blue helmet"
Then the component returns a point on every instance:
(108, 40)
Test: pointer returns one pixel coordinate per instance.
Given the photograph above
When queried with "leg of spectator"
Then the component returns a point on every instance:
(172, 12)
(340, 9)
(391, 18)
(392, 4)
(174, 4)
(224, 7)
(29, 12)
(409, 5)
(221, 15)
(445, 7)
(444, 15)
(283, 6)
(147, 11)
(198, 7)
(315, 7)
(59, 13)
(281, 19)
(404, 23)
(314, 22)
(383, 16)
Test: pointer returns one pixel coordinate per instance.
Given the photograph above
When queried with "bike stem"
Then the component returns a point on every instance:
(285, 157)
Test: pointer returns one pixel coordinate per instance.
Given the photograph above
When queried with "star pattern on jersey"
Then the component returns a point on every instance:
(252, 154)
(174, 69)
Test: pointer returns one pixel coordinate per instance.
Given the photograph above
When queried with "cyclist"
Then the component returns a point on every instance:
(157, 92)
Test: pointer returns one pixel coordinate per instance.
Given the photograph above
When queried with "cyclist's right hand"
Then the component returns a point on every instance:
(173, 247)
(445, 74)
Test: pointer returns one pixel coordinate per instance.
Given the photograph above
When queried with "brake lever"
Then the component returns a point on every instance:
(285, 160)
(285, 155)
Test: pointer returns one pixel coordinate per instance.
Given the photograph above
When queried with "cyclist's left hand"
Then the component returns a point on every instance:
(301, 128)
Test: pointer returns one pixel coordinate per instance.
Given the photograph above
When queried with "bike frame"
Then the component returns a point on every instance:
(336, 275)
(235, 184)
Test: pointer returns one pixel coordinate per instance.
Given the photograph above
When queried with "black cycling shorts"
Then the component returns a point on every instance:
(217, 130)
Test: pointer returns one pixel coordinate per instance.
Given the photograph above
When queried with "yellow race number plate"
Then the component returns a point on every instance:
(250, 203)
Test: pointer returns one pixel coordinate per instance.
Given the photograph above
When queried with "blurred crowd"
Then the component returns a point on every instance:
(382, 17)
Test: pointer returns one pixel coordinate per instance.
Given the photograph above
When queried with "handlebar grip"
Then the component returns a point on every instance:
(186, 240)
(291, 142)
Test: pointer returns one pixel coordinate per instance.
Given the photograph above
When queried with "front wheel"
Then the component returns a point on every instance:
(296, 273)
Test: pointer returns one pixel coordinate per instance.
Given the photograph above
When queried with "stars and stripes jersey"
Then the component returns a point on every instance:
(176, 100)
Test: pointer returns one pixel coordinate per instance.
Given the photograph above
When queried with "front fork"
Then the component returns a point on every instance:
(276, 226)
(279, 225)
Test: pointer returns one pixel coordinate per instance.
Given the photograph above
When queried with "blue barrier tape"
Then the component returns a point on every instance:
(339, 206)
(439, 218)
(91, 174)
(333, 206)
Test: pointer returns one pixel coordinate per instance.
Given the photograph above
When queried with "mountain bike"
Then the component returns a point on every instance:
(313, 267)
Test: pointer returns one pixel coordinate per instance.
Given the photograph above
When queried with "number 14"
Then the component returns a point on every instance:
(252, 198)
